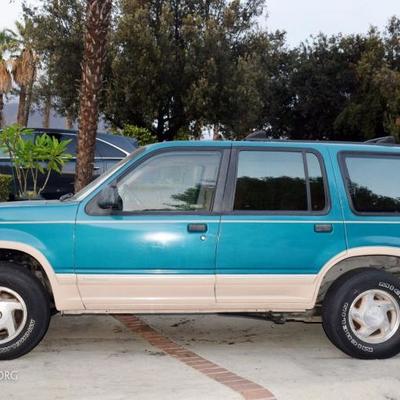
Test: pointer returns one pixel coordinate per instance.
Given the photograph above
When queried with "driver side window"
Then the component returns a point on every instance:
(173, 181)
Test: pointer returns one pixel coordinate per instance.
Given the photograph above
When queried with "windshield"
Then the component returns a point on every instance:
(92, 185)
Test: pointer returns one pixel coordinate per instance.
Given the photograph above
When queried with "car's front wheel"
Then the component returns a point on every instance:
(361, 314)
(24, 311)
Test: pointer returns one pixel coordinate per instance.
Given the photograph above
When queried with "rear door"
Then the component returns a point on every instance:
(283, 222)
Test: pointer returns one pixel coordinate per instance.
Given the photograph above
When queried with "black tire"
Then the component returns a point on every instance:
(336, 306)
(36, 299)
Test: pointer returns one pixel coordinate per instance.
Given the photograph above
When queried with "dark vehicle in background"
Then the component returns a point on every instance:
(109, 150)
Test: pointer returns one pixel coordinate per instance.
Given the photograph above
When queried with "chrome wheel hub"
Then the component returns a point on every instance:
(13, 314)
(374, 316)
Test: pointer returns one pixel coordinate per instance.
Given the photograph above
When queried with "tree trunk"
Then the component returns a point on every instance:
(1, 109)
(98, 16)
(69, 121)
(46, 112)
(28, 104)
(21, 106)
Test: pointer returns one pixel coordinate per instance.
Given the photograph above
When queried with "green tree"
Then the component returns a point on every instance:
(142, 135)
(180, 65)
(363, 115)
(322, 79)
(24, 69)
(388, 77)
(7, 43)
(58, 39)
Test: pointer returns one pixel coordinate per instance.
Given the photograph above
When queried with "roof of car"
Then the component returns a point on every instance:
(317, 145)
(130, 144)
(127, 144)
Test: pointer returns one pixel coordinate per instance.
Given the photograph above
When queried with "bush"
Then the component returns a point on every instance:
(30, 158)
(5, 187)
(143, 135)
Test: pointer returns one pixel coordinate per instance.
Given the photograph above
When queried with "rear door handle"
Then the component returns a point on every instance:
(323, 228)
(197, 228)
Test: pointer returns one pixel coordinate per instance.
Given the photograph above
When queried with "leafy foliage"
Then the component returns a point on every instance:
(30, 157)
(179, 62)
(176, 68)
(143, 135)
(5, 187)
(58, 38)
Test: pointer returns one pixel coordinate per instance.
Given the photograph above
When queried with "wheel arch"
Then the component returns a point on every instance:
(63, 286)
(380, 257)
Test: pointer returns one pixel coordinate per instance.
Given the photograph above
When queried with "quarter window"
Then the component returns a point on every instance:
(175, 181)
(373, 183)
(317, 189)
(105, 150)
(279, 181)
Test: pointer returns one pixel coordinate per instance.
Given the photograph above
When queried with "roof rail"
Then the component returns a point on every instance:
(262, 135)
(382, 140)
(258, 135)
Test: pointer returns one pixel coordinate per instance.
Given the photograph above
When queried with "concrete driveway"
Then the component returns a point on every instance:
(205, 357)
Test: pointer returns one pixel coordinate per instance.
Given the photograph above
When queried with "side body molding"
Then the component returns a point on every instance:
(68, 299)
(64, 286)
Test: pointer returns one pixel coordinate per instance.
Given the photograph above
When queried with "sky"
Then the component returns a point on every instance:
(299, 18)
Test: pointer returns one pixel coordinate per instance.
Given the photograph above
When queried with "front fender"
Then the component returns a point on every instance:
(63, 285)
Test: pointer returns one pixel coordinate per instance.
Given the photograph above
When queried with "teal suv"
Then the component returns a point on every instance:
(294, 230)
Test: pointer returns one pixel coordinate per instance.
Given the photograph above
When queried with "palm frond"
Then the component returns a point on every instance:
(5, 78)
(23, 67)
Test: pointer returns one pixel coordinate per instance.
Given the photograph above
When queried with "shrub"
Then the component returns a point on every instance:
(143, 135)
(5, 187)
(41, 155)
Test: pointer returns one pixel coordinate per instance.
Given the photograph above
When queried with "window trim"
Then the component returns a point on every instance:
(98, 154)
(91, 208)
(346, 178)
(230, 192)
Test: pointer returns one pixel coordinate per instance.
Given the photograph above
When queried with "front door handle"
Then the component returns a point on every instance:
(197, 228)
(323, 228)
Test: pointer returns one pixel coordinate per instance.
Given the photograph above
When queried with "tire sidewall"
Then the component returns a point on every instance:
(350, 343)
(37, 319)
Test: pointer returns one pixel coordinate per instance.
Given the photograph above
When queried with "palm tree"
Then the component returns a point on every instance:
(7, 43)
(98, 18)
(24, 70)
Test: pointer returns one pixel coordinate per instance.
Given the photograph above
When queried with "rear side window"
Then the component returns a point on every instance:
(373, 182)
(71, 147)
(279, 181)
(105, 150)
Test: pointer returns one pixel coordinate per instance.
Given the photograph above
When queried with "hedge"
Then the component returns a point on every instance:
(5, 187)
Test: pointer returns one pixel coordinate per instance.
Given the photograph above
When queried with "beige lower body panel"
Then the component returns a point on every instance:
(195, 293)
(66, 293)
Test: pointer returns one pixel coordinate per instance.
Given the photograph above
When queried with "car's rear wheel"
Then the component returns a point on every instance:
(24, 311)
(361, 314)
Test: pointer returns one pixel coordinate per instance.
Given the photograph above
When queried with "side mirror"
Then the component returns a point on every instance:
(109, 199)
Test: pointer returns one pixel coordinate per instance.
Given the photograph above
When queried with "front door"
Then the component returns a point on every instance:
(283, 223)
(159, 249)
